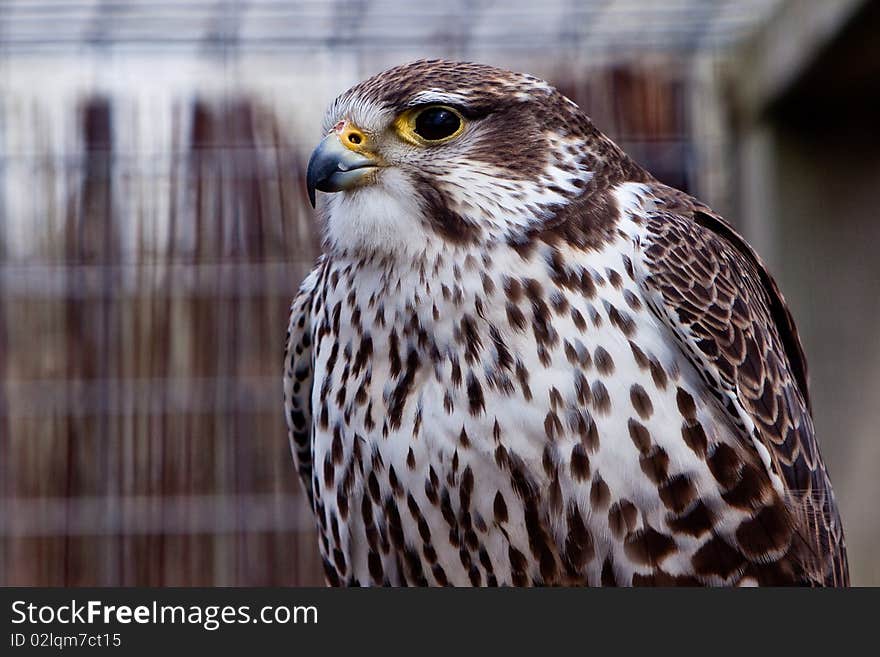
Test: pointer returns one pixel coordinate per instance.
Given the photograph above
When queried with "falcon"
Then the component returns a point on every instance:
(522, 360)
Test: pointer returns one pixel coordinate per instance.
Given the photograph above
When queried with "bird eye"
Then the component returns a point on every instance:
(437, 123)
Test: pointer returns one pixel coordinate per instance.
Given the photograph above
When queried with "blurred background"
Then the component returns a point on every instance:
(154, 227)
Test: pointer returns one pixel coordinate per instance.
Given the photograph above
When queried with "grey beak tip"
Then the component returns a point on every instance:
(331, 165)
(320, 167)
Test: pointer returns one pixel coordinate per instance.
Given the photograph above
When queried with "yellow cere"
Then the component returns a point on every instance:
(352, 137)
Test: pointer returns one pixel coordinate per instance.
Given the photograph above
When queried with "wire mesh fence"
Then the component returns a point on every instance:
(144, 441)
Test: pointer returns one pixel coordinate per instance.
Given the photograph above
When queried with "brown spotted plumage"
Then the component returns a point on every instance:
(733, 325)
(523, 361)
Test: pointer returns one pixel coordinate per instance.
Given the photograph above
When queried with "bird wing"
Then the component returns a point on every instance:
(730, 320)
(298, 374)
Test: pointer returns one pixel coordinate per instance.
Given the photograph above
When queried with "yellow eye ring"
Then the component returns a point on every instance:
(429, 125)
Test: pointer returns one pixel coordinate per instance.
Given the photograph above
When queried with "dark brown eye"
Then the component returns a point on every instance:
(436, 123)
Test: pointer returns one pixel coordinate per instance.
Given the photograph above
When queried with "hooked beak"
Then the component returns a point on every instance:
(333, 167)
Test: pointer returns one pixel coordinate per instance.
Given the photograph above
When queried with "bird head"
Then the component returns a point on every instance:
(442, 154)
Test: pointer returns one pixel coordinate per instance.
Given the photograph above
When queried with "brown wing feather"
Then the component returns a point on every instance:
(724, 304)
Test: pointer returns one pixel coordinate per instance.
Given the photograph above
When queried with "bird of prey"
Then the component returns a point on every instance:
(522, 360)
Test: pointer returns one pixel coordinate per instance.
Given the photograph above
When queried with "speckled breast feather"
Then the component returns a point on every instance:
(554, 370)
